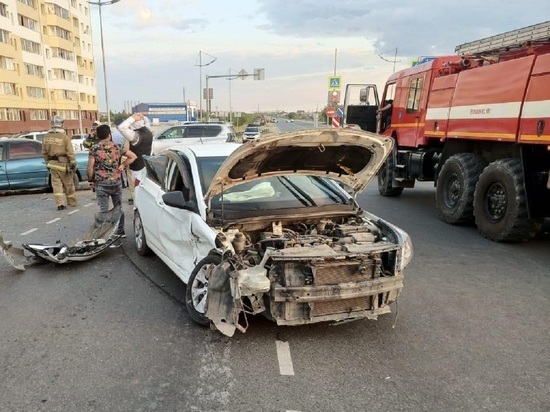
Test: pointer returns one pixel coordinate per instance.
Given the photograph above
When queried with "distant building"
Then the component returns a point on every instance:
(46, 65)
(167, 112)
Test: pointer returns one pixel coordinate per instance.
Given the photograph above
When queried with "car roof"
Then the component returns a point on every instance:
(22, 139)
(208, 150)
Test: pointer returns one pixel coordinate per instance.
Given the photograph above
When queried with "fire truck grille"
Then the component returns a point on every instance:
(341, 306)
(339, 272)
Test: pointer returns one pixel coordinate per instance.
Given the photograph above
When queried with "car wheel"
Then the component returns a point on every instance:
(139, 236)
(196, 293)
(500, 203)
(456, 183)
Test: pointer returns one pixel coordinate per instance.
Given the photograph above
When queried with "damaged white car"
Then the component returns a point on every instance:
(272, 227)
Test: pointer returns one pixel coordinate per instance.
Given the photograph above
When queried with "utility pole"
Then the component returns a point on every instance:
(200, 78)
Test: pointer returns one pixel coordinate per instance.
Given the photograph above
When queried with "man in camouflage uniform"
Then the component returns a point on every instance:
(58, 153)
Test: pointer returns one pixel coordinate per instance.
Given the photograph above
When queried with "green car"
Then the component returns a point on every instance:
(23, 169)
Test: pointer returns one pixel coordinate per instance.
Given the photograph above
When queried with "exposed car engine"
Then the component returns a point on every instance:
(311, 272)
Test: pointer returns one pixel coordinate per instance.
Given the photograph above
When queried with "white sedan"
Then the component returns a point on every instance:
(266, 227)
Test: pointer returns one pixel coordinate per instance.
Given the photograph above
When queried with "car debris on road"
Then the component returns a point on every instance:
(100, 236)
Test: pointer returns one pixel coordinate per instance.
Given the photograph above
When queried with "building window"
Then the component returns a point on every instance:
(29, 3)
(7, 88)
(34, 70)
(4, 36)
(3, 10)
(6, 63)
(36, 92)
(62, 53)
(60, 32)
(10, 115)
(62, 74)
(30, 46)
(58, 11)
(68, 95)
(38, 114)
(28, 23)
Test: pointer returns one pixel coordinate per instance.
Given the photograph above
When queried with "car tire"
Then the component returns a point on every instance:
(385, 179)
(196, 293)
(139, 236)
(456, 183)
(500, 203)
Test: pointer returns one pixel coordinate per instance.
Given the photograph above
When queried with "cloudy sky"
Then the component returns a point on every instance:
(161, 50)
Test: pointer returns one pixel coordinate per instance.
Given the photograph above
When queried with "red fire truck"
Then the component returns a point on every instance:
(477, 124)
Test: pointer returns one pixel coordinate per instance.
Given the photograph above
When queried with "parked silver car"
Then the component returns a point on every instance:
(192, 133)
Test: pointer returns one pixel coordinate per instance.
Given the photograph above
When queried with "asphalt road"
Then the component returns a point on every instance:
(111, 334)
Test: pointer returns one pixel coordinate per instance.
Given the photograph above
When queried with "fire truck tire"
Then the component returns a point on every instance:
(456, 183)
(385, 179)
(500, 203)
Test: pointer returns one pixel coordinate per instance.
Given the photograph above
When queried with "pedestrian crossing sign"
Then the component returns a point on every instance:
(334, 82)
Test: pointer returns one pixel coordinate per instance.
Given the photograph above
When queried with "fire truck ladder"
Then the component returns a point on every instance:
(506, 41)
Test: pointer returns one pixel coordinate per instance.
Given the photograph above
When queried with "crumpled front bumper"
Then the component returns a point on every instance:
(346, 301)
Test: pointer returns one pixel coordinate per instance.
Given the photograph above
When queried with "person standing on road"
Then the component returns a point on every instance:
(136, 129)
(91, 139)
(104, 172)
(58, 154)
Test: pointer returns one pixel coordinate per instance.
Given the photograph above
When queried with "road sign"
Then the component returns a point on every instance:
(242, 74)
(340, 112)
(335, 122)
(331, 111)
(334, 82)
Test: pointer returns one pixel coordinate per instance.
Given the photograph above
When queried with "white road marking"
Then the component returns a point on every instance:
(89, 204)
(74, 211)
(285, 361)
(53, 220)
(29, 231)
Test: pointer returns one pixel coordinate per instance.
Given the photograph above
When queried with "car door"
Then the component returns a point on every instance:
(4, 184)
(25, 167)
(184, 235)
(169, 137)
(148, 198)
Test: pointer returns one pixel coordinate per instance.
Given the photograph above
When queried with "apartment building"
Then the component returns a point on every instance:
(46, 65)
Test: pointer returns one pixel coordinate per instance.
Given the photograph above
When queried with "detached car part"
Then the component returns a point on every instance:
(100, 236)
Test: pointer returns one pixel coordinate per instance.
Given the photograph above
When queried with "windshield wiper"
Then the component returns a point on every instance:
(328, 189)
(298, 190)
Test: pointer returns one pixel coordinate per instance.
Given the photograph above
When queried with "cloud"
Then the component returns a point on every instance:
(412, 27)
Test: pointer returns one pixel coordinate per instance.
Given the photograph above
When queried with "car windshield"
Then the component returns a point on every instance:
(208, 166)
(280, 192)
(251, 130)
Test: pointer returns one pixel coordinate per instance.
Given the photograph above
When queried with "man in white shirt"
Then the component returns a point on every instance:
(136, 129)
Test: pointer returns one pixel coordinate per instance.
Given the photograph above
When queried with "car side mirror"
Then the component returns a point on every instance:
(176, 199)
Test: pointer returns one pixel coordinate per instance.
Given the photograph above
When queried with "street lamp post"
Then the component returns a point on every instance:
(104, 3)
(258, 75)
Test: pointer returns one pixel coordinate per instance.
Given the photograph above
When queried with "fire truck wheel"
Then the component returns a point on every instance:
(385, 179)
(500, 204)
(456, 183)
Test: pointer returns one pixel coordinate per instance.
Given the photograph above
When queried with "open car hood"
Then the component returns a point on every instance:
(349, 156)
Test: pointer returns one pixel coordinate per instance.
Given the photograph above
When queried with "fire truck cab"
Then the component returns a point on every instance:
(477, 124)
